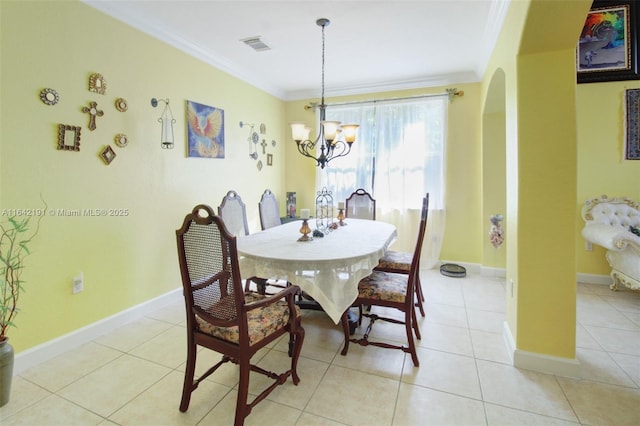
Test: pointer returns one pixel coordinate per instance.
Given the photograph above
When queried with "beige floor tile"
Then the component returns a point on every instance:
(615, 340)
(624, 301)
(445, 338)
(630, 364)
(598, 366)
(504, 416)
(266, 413)
(493, 322)
(600, 404)
(297, 396)
(23, 395)
(445, 372)
(438, 291)
(322, 338)
(354, 398)
(64, 369)
(522, 389)
(134, 334)
(604, 314)
(111, 386)
(307, 419)
(485, 296)
(584, 339)
(423, 407)
(382, 362)
(169, 348)
(159, 405)
(455, 316)
(173, 313)
(489, 346)
(53, 411)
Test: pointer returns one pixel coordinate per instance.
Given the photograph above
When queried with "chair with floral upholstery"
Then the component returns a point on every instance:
(391, 290)
(399, 262)
(222, 317)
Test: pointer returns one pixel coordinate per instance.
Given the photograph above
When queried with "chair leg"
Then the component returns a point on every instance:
(414, 322)
(242, 409)
(345, 329)
(187, 386)
(419, 296)
(297, 349)
(408, 325)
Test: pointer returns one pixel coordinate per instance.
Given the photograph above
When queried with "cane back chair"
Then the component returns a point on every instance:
(269, 211)
(361, 205)
(221, 317)
(391, 290)
(399, 262)
(234, 214)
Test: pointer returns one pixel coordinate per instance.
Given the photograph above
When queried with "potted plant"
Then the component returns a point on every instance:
(15, 237)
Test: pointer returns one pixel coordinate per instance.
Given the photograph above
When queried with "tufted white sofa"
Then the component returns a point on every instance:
(607, 222)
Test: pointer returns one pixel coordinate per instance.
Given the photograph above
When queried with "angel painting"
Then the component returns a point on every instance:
(205, 126)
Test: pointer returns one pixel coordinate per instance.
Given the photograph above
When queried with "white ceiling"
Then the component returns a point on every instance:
(371, 46)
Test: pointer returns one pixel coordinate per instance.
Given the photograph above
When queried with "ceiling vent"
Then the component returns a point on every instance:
(256, 44)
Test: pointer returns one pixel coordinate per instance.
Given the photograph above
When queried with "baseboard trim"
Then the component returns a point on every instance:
(565, 367)
(48, 350)
(594, 279)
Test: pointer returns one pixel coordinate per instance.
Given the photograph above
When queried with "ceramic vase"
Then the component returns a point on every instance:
(6, 370)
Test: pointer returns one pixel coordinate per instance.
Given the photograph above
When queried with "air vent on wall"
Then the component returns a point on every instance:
(256, 44)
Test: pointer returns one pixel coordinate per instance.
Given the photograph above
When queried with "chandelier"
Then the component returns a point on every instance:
(333, 139)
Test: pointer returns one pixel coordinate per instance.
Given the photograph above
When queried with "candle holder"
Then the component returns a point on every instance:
(341, 221)
(305, 231)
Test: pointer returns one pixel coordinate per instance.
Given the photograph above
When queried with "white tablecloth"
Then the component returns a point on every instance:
(327, 268)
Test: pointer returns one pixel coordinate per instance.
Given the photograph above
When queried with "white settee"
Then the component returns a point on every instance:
(607, 224)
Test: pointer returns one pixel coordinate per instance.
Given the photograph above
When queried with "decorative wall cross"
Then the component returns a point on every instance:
(264, 146)
(93, 111)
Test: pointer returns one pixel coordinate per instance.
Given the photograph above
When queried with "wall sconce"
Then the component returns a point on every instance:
(167, 121)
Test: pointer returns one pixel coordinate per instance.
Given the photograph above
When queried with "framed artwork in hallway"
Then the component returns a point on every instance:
(608, 49)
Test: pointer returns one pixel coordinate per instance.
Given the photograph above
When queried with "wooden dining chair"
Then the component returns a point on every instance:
(222, 317)
(361, 205)
(391, 290)
(399, 262)
(234, 214)
(269, 211)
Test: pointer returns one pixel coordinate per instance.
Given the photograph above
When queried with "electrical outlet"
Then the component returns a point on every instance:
(588, 246)
(78, 283)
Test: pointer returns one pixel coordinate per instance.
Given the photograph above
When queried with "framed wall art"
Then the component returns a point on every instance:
(205, 131)
(632, 124)
(68, 137)
(608, 47)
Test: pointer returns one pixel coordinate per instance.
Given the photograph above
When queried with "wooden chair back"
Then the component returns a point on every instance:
(234, 214)
(360, 205)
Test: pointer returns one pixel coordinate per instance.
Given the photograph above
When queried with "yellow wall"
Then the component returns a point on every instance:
(125, 260)
(601, 168)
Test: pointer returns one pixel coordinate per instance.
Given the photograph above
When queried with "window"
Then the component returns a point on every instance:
(398, 156)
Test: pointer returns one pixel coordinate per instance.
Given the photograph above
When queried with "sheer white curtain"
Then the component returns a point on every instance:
(398, 157)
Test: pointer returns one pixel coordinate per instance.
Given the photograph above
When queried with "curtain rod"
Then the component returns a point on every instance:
(451, 93)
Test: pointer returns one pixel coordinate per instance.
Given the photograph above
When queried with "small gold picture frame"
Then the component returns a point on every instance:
(68, 137)
(97, 83)
(107, 155)
(121, 104)
(121, 140)
(269, 159)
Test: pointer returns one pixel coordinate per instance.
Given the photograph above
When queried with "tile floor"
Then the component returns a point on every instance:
(133, 375)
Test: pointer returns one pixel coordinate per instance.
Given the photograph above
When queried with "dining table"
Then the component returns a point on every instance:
(327, 268)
